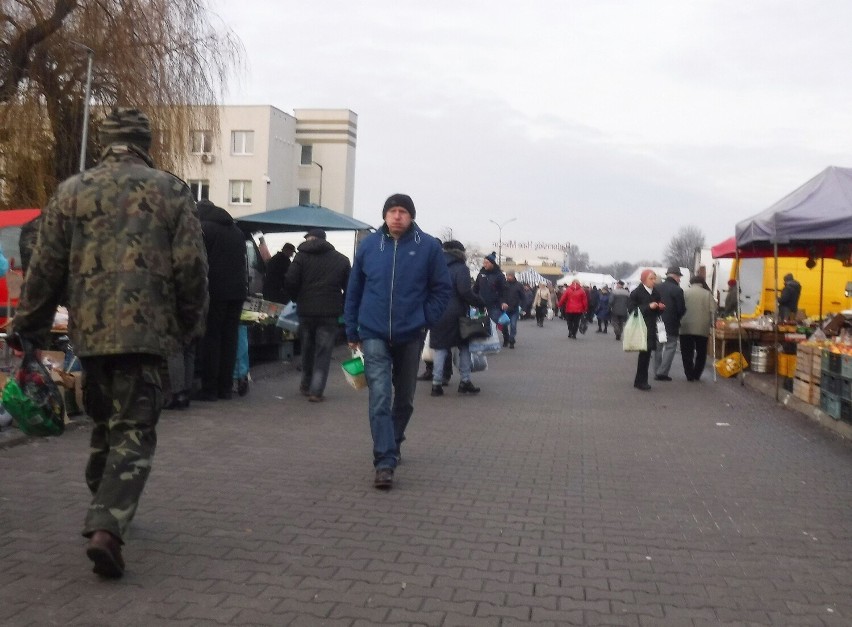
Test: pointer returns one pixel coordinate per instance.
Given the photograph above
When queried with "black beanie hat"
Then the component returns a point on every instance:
(399, 200)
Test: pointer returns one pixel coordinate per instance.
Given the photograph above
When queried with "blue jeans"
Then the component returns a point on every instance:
(513, 325)
(440, 355)
(391, 373)
(316, 335)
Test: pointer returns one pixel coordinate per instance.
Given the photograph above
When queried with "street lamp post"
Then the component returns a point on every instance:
(500, 240)
(88, 93)
(320, 189)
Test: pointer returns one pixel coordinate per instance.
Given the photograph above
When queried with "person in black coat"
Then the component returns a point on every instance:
(648, 301)
(228, 286)
(316, 280)
(490, 285)
(445, 335)
(276, 274)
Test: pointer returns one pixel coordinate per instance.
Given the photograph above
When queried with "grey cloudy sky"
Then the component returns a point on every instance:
(608, 124)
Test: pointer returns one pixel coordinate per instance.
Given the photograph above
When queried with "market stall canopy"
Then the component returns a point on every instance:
(634, 279)
(817, 213)
(588, 278)
(299, 218)
(531, 276)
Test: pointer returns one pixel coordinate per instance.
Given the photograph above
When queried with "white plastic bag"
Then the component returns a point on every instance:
(427, 354)
(662, 337)
(478, 362)
(635, 335)
(490, 344)
(550, 313)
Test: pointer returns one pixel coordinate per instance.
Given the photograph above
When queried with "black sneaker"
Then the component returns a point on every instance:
(437, 390)
(467, 387)
(384, 479)
(426, 376)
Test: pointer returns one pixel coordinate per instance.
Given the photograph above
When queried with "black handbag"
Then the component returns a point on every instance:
(470, 328)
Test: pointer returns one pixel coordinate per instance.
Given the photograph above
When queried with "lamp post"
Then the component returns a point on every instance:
(500, 240)
(320, 189)
(88, 93)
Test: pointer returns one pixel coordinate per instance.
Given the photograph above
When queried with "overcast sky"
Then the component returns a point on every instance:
(607, 123)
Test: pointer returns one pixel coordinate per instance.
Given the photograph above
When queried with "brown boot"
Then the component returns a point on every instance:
(104, 549)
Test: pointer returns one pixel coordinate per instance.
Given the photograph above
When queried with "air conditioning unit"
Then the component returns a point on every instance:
(208, 158)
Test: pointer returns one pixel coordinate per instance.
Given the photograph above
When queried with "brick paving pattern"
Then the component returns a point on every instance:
(558, 496)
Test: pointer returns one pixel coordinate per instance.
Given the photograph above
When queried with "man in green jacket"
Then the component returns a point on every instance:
(122, 240)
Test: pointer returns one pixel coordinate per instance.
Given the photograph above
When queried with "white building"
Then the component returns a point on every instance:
(263, 158)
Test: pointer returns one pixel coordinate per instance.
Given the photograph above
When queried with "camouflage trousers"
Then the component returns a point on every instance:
(123, 395)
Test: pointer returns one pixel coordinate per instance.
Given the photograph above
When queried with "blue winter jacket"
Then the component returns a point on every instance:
(397, 288)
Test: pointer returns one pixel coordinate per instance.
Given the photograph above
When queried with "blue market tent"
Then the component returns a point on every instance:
(299, 218)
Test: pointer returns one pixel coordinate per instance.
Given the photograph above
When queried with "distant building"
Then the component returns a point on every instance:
(263, 158)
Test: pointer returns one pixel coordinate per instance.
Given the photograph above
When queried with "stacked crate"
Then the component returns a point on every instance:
(806, 383)
(836, 389)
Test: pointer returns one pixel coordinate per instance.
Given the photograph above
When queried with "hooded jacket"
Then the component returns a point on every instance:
(574, 300)
(445, 333)
(490, 285)
(317, 278)
(396, 288)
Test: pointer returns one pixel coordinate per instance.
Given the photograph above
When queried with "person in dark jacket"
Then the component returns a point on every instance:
(316, 280)
(602, 312)
(228, 285)
(276, 274)
(648, 301)
(594, 299)
(513, 296)
(122, 241)
(444, 335)
(27, 241)
(618, 308)
(490, 285)
(399, 286)
(788, 301)
(672, 295)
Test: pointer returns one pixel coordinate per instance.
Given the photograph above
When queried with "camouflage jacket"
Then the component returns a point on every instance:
(125, 239)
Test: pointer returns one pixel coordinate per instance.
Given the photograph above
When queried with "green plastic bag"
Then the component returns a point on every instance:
(33, 399)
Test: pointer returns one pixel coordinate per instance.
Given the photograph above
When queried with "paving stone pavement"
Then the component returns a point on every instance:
(558, 496)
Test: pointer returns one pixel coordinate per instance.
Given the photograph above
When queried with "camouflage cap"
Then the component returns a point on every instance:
(125, 125)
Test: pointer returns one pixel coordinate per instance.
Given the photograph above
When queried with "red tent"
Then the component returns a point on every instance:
(11, 222)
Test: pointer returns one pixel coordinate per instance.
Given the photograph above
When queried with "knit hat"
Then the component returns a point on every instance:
(788, 277)
(645, 273)
(492, 257)
(400, 200)
(453, 244)
(124, 125)
(318, 233)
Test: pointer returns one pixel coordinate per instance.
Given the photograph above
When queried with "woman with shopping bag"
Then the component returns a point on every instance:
(445, 334)
(647, 301)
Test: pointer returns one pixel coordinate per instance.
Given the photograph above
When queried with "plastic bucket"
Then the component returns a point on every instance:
(353, 370)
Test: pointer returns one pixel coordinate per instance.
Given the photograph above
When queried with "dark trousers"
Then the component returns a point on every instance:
(124, 396)
(573, 323)
(219, 347)
(693, 351)
(642, 368)
(316, 336)
(618, 325)
(540, 314)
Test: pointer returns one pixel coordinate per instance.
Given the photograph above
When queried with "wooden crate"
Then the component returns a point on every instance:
(806, 391)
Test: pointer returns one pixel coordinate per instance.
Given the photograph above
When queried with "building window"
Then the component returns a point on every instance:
(307, 155)
(240, 192)
(242, 142)
(200, 189)
(200, 142)
(304, 196)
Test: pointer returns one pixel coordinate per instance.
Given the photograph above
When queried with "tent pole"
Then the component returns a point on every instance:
(739, 316)
(775, 249)
(821, 280)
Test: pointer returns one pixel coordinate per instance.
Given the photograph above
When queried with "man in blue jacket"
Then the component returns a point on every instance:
(399, 286)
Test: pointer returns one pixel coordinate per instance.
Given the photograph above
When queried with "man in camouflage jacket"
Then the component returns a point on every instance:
(124, 240)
